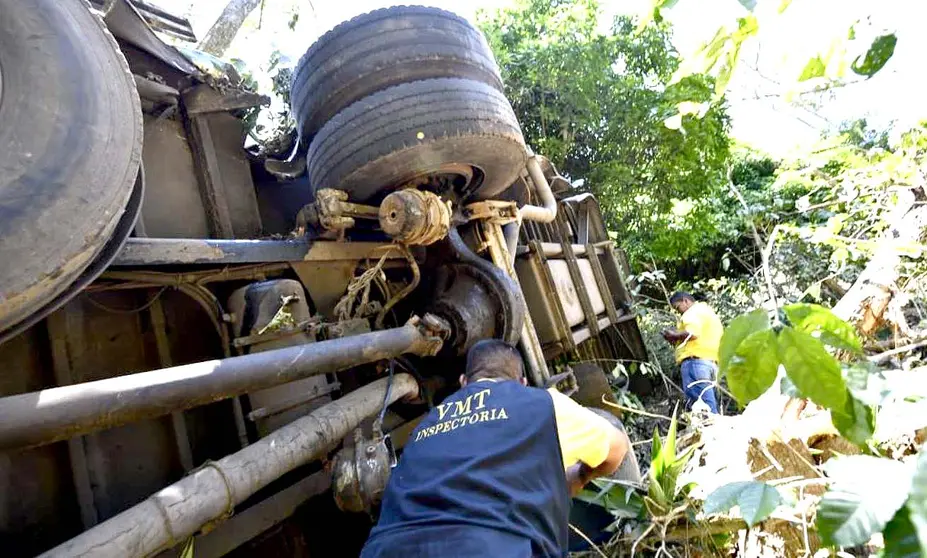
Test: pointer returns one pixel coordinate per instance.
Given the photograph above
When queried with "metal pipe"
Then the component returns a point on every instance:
(555, 249)
(511, 231)
(42, 417)
(211, 493)
(528, 340)
(548, 209)
(221, 251)
(509, 293)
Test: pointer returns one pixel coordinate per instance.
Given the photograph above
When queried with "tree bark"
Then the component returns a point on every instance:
(865, 303)
(220, 36)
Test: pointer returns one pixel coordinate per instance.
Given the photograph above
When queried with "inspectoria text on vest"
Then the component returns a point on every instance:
(472, 410)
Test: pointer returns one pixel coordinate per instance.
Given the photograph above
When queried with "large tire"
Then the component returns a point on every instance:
(383, 48)
(70, 147)
(414, 129)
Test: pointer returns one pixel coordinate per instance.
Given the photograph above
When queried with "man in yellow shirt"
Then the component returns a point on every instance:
(490, 470)
(697, 339)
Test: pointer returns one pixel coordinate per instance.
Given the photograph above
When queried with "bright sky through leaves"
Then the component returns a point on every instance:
(761, 117)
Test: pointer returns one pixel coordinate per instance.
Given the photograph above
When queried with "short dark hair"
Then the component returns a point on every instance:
(679, 296)
(494, 358)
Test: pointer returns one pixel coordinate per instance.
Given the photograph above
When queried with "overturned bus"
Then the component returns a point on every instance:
(203, 343)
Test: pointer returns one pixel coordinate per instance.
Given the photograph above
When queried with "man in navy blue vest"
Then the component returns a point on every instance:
(490, 471)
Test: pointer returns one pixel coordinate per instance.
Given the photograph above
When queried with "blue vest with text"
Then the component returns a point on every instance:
(482, 475)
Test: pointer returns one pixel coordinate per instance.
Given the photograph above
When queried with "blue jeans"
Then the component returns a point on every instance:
(698, 377)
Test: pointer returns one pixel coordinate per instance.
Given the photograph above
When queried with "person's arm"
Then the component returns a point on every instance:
(580, 474)
(590, 445)
(677, 336)
(690, 327)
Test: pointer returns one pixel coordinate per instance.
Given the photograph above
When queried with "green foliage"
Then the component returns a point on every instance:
(719, 55)
(187, 551)
(811, 368)
(858, 133)
(815, 68)
(751, 353)
(855, 422)
(595, 104)
(753, 368)
(663, 492)
(623, 501)
(882, 48)
(917, 502)
(864, 494)
(820, 322)
(901, 537)
(737, 331)
(756, 500)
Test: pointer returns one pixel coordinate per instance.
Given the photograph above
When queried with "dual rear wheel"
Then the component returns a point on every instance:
(403, 96)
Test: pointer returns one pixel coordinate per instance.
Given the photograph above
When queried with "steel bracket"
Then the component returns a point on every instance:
(497, 212)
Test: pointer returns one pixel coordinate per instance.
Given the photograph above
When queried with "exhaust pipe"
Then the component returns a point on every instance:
(211, 492)
(42, 417)
(547, 211)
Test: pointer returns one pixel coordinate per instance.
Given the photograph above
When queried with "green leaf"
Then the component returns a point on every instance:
(739, 329)
(864, 495)
(756, 500)
(784, 5)
(657, 467)
(813, 69)
(754, 366)
(821, 322)
(667, 476)
(900, 536)
(749, 4)
(621, 500)
(814, 372)
(665, 465)
(187, 551)
(881, 49)
(917, 503)
(723, 78)
(856, 422)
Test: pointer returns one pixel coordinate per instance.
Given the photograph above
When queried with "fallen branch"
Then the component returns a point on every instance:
(866, 301)
(765, 251)
(888, 344)
(882, 357)
(588, 540)
(636, 411)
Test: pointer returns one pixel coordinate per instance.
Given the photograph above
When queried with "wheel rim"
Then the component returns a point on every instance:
(453, 180)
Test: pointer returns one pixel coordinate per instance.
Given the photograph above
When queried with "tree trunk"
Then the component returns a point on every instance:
(223, 31)
(869, 297)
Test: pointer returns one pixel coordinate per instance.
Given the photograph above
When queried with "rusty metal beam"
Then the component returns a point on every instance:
(178, 251)
(57, 324)
(209, 176)
(211, 493)
(202, 99)
(244, 526)
(42, 417)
